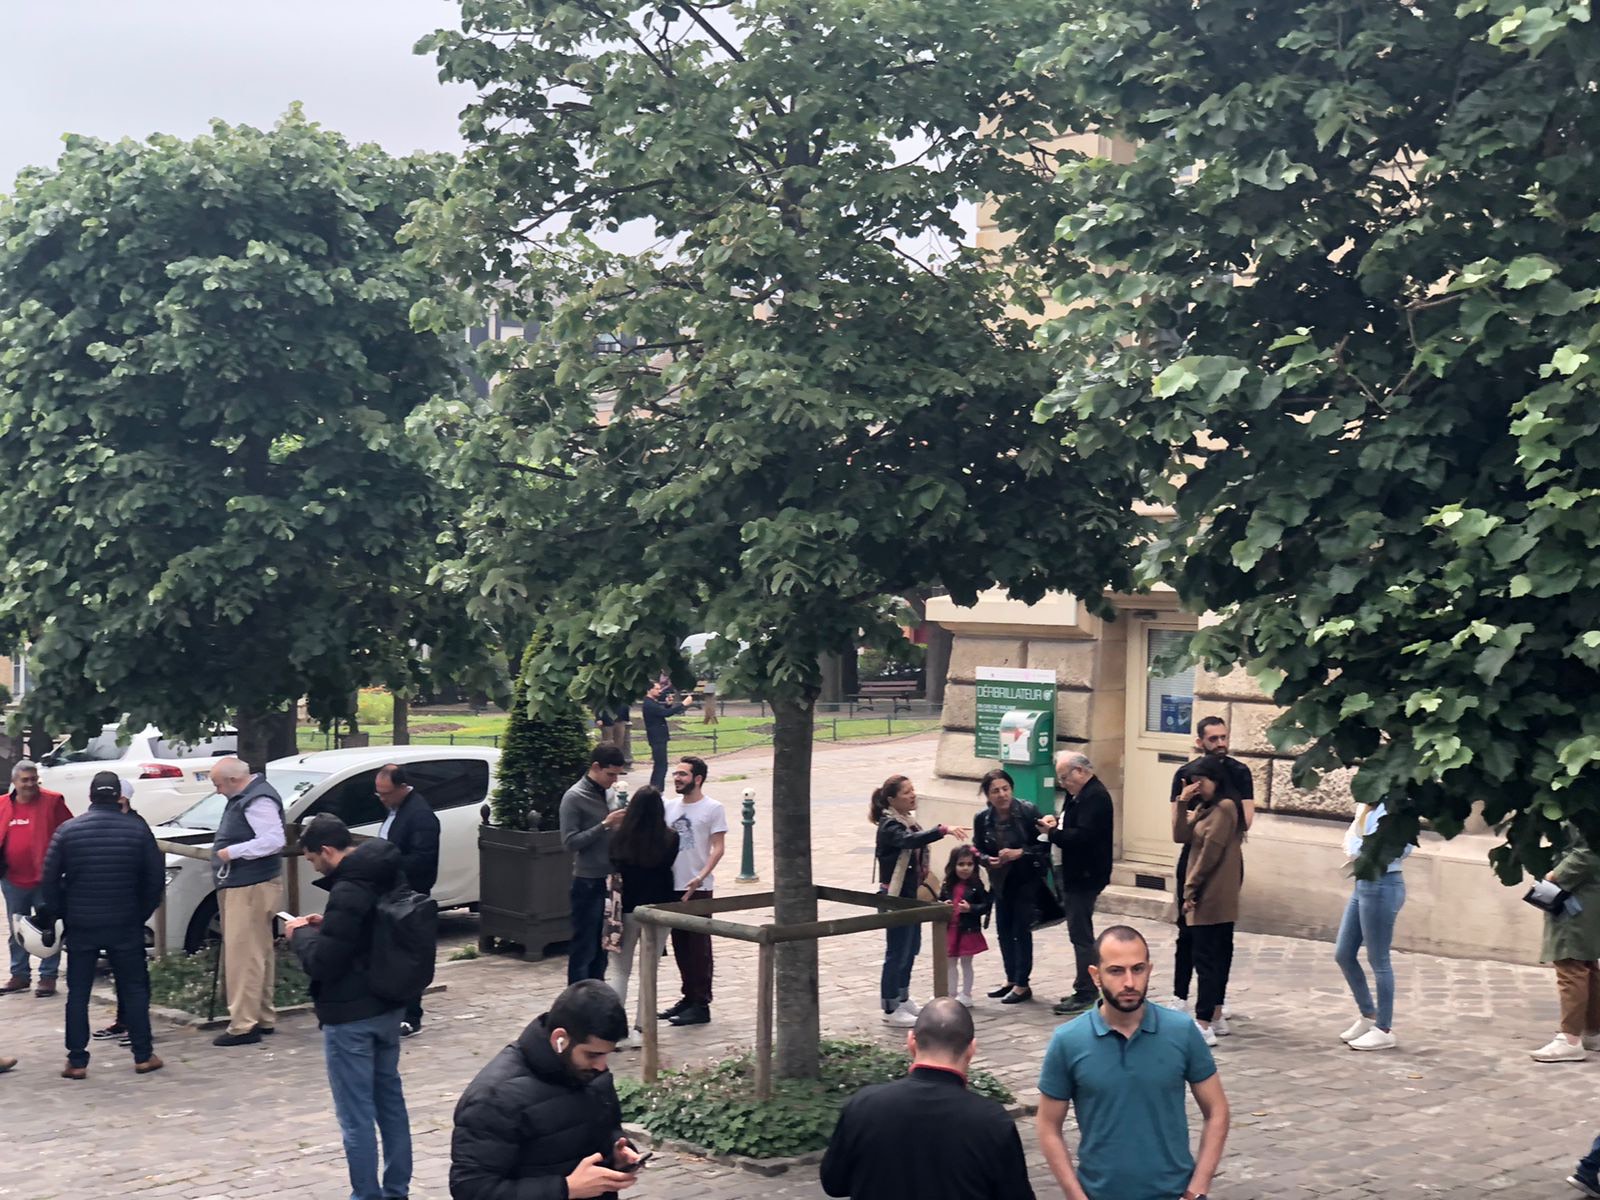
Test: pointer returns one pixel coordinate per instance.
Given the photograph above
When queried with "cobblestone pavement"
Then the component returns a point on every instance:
(1459, 1110)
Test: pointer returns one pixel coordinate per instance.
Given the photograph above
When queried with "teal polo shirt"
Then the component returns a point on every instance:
(1133, 1128)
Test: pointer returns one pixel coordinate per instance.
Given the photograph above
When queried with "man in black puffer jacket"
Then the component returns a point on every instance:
(541, 1121)
(360, 1029)
(104, 876)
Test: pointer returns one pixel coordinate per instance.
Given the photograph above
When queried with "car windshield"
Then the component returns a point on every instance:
(103, 748)
(207, 814)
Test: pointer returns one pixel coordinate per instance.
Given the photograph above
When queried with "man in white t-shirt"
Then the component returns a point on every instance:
(702, 828)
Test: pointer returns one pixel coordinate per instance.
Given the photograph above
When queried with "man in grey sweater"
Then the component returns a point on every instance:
(586, 826)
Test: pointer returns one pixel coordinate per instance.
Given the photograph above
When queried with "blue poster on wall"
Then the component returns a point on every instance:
(1176, 713)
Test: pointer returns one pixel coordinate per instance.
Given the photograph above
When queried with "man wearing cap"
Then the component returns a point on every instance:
(248, 865)
(103, 877)
(29, 818)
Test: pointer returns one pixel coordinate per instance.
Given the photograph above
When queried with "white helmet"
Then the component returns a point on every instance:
(41, 943)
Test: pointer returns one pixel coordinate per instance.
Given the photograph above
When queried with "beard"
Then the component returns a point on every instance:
(584, 1075)
(1120, 1002)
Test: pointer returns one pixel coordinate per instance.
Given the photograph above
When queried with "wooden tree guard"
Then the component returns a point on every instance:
(696, 916)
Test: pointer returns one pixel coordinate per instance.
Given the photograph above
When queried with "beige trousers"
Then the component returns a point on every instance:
(1578, 986)
(248, 961)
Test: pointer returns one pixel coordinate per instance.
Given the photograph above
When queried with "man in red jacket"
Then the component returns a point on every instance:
(29, 818)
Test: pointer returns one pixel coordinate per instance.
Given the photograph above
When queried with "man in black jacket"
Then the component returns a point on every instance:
(104, 876)
(926, 1137)
(1083, 831)
(541, 1121)
(360, 1029)
(659, 703)
(413, 827)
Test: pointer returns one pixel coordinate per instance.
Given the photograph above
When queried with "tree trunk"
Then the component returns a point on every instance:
(936, 662)
(832, 679)
(40, 742)
(850, 674)
(265, 734)
(799, 1023)
(402, 721)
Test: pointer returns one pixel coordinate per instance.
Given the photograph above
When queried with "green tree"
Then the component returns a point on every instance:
(546, 749)
(1340, 309)
(206, 367)
(813, 406)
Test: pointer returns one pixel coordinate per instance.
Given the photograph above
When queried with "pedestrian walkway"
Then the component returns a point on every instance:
(1460, 1110)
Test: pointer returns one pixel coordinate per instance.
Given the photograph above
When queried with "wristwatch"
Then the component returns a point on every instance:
(1188, 1195)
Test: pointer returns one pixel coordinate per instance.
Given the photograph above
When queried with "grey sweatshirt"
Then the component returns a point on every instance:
(583, 808)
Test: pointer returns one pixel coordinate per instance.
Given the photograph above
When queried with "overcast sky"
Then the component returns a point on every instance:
(130, 68)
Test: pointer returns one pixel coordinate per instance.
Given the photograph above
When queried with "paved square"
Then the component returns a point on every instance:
(1459, 1110)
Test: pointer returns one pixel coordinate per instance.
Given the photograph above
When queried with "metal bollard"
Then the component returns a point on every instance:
(747, 862)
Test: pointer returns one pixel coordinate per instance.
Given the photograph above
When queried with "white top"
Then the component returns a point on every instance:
(695, 823)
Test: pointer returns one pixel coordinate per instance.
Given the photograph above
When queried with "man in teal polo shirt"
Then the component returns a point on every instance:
(1123, 1066)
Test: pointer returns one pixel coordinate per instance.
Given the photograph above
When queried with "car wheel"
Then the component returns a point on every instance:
(205, 927)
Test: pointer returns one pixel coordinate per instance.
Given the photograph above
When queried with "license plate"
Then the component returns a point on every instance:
(202, 776)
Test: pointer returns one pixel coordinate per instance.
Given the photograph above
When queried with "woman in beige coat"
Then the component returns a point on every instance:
(1214, 833)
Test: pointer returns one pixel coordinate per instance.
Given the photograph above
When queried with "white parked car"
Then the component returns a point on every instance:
(168, 775)
(456, 780)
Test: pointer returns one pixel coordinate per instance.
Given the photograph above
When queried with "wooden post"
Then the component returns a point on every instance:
(161, 922)
(649, 967)
(764, 998)
(941, 958)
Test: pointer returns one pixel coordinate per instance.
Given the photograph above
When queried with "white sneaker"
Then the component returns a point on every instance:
(964, 999)
(1558, 1049)
(900, 1018)
(1208, 1036)
(627, 1043)
(1180, 1003)
(1226, 1011)
(1591, 1041)
(1375, 1039)
(1362, 1025)
(912, 1007)
(1219, 1023)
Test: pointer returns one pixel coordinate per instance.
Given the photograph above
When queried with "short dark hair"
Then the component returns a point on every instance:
(396, 773)
(1119, 933)
(607, 756)
(1205, 724)
(944, 1026)
(697, 767)
(589, 1009)
(990, 776)
(325, 832)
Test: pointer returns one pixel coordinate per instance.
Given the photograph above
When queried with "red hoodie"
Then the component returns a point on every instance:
(25, 833)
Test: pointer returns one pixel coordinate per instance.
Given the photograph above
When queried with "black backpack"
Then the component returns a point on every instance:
(405, 935)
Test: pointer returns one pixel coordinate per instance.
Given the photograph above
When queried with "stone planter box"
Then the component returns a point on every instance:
(523, 896)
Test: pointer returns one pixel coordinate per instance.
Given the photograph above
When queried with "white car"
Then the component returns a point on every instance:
(168, 775)
(455, 780)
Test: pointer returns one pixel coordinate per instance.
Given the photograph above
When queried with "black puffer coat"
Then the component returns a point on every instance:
(103, 872)
(335, 953)
(524, 1124)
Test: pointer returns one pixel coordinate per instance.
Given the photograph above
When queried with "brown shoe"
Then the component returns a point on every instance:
(6, 1064)
(47, 987)
(17, 983)
(150, 1064)
(71, 1072)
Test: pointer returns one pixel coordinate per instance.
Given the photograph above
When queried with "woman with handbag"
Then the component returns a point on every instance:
(1369, 919)
(1214, 833)
(902, 868)
(643, 850)
(1572, 943)
(1006, 833)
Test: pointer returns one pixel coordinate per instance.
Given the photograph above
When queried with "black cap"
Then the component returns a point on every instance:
(105, 788)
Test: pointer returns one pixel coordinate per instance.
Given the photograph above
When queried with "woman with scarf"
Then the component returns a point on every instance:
(902, 850)
(1214, 833)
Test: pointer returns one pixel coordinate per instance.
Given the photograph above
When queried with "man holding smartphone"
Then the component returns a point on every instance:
(541, 1121)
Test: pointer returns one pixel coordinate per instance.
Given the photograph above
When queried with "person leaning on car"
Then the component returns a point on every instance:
(413, 827)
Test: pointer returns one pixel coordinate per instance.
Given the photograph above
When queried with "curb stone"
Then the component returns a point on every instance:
(188, 1020)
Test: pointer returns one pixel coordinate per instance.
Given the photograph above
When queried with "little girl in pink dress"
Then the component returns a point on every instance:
(964, 891)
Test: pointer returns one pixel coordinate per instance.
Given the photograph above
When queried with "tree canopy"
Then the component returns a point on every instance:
(1339, 307)
(817, 400)
(206, 368)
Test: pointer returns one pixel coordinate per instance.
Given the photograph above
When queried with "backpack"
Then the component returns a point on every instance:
(405, 935)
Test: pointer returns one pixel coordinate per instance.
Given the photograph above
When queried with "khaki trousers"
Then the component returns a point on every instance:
(248, 961)
(1578, 986)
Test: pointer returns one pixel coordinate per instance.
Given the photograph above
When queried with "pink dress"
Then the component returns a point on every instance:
(963, 945)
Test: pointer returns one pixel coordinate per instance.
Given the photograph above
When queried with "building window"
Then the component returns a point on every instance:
(1169, 699)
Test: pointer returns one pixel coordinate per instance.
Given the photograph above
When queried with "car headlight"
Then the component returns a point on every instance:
(172, 873)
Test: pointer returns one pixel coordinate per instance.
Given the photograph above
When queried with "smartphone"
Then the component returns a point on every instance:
(280, 922)
(634, 1166)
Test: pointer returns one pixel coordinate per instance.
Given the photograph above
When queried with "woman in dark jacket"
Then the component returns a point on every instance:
(1006, 833)
(902, 865)
(642, 852)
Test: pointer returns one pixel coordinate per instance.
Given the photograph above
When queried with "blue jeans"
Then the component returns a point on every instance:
(124, 950)
(1369, 920)
(899, 957)
(1589, 1165)
(364, 1076)
(1013, 923)
(586, 957)
(20, 902)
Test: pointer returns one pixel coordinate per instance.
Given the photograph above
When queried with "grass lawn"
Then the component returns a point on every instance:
(689, 734)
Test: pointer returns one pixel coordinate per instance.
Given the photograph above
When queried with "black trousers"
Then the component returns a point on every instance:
(1183, 955)
(1079, 902)
(1213, 962)
(124, 950)
(658, 764)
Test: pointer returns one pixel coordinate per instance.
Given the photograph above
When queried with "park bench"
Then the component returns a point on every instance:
(899, 693)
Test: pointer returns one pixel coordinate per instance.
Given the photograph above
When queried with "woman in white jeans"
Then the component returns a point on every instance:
(642, 852)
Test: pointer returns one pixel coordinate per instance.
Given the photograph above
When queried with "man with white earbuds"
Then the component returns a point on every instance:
(542, 1117)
